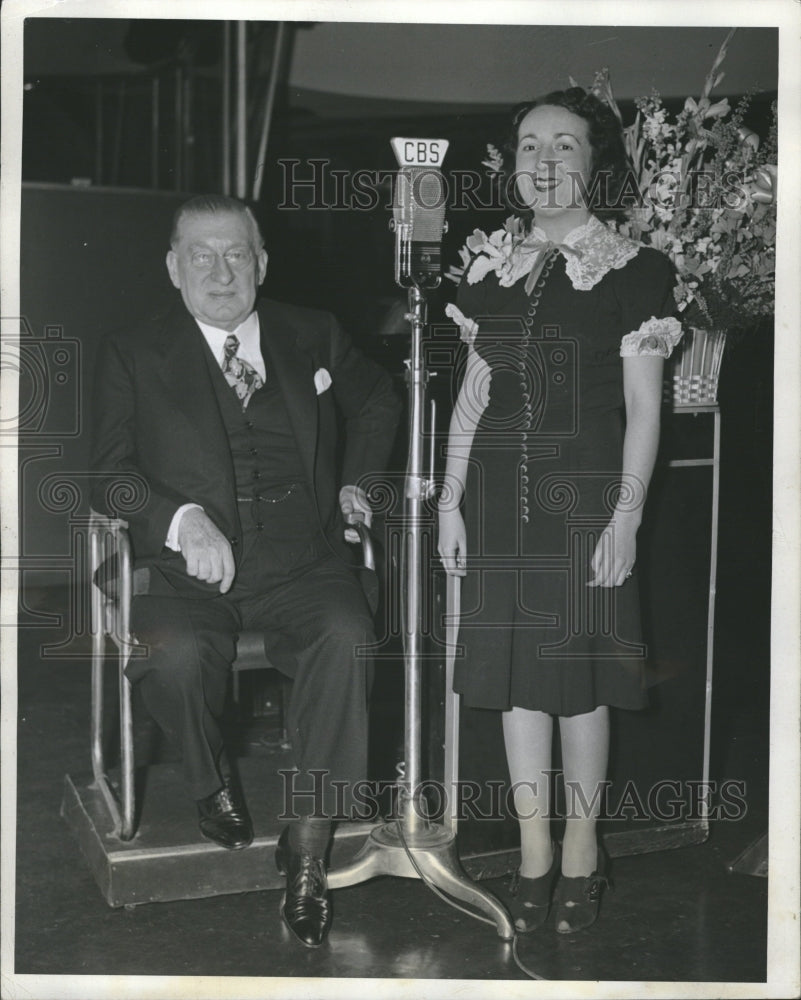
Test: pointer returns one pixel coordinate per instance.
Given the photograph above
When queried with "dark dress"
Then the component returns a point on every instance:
(542, 484)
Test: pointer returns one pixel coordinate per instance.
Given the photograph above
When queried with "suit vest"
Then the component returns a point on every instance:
(276, 502)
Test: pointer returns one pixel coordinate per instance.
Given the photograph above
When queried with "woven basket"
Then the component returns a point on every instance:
(696, 367)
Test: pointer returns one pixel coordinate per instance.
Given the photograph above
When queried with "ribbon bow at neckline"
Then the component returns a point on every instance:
(542, 249)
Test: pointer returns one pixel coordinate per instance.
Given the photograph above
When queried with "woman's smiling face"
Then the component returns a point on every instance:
(553, 162)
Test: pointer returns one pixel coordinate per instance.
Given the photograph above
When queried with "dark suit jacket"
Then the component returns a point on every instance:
(157, 424)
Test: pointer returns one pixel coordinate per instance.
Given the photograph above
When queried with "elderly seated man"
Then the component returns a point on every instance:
(227, 410)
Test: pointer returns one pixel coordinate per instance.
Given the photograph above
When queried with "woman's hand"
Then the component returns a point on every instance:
(615, 554)
(452, 545)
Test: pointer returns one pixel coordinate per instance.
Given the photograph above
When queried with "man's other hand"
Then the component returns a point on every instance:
(355, 507)
(206, 550)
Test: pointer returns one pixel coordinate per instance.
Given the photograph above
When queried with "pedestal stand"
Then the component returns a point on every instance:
(411, 847)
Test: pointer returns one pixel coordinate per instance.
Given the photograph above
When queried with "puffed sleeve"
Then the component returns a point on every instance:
(644, 289)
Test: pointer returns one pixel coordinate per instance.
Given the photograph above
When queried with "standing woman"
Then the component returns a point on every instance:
(551, 447)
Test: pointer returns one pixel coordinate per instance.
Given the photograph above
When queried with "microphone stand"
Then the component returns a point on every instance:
(411, 847)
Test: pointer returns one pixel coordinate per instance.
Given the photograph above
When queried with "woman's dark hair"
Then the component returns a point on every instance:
(612, 174)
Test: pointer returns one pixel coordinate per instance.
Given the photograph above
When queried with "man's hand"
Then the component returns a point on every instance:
(206, 550)
(355, 507)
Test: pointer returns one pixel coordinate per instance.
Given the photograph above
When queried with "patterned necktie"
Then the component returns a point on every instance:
(239, 374)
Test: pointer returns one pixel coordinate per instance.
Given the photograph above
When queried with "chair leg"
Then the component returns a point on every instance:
(126, 756)
(125, 643)
(110, 618)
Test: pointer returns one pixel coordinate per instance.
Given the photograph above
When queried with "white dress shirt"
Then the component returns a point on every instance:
(249, 335)
(249, 342)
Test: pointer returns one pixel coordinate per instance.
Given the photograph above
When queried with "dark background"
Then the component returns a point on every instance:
(97, 196)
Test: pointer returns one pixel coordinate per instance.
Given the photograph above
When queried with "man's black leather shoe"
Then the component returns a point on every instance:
(305, 908)
(225, 820)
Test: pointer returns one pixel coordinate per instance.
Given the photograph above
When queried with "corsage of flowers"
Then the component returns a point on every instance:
(707, 199)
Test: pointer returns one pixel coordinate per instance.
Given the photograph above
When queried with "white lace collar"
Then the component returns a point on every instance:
(590, 251)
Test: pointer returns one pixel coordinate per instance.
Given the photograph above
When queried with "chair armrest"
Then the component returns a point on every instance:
(109, 554)
(366, 542)
(102, 522)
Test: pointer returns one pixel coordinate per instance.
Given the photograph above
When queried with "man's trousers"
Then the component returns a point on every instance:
(315, 621)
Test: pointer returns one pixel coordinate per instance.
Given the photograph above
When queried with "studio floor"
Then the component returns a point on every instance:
(676, 915)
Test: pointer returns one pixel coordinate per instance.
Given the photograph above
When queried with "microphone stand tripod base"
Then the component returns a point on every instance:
(434, 851)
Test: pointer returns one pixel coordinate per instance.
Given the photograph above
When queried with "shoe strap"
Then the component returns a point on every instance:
(595, 884)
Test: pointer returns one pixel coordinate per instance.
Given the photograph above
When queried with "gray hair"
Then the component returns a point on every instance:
(211, 204)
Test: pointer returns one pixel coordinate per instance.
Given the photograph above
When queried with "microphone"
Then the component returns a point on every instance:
(418, 210)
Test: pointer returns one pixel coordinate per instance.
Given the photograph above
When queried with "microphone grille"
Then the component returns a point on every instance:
(420, 200)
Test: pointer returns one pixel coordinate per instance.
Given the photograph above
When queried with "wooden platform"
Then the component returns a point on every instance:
(753, 860)
(167, 858)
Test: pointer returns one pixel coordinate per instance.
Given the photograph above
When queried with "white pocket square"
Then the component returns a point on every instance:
(322, 380)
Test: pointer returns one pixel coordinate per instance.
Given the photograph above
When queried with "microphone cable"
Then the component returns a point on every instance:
(530, 973)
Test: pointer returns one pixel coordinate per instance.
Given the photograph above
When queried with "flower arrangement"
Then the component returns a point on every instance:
(707, 198)
(703, 192)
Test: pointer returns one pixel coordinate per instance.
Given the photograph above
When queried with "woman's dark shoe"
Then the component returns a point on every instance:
(579, 899)
(305, 908)
(531, 897)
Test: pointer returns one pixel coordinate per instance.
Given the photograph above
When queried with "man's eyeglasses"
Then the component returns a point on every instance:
(237, 258)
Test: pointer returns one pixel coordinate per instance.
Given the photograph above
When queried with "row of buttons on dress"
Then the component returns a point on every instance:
(522, 364)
